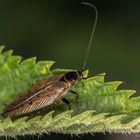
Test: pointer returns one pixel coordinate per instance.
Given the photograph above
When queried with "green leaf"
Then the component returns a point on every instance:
(101, 107)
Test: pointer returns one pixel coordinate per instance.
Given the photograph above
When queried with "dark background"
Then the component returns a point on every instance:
(59, 30)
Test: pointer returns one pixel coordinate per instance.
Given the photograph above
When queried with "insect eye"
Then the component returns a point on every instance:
(71, 76)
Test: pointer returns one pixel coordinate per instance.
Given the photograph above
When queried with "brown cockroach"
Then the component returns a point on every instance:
(47, 92)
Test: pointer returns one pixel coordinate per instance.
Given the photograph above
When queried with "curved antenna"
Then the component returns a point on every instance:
(92, 33)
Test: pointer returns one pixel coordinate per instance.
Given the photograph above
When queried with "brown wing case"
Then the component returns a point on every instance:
(44, 99)
(38, 96)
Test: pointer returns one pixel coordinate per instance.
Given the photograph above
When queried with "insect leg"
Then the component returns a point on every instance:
(67, 102)
(73, 92)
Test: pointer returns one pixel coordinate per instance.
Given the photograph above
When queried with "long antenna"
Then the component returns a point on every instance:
(92, 34)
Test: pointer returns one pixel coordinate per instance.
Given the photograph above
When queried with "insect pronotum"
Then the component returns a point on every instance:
(47, 92)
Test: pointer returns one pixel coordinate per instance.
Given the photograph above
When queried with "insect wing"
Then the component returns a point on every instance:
(45, 99)
(34, 91)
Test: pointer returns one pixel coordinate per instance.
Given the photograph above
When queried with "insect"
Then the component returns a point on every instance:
(47, 92)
